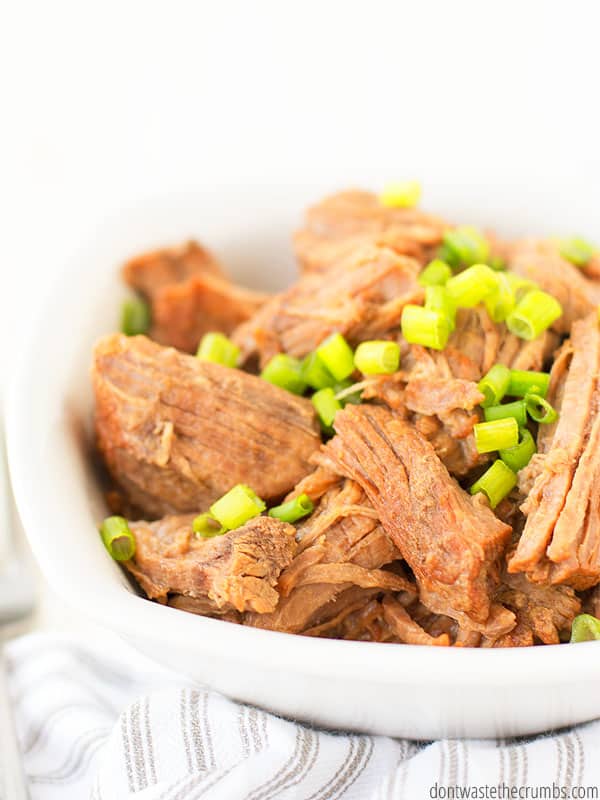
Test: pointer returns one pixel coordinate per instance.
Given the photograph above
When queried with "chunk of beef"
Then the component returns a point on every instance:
(540, 261)
(236, 572)
(341, 546)
(150, 272)
(451, 541)
(189, 295)
(362, 298)
(341, 223)
(561, 538)
(183, 312)
(176, 433)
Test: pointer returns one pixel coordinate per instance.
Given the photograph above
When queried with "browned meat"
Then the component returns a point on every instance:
(177, 433)
(541, 262)
(362, 298)
(234, 572)
(342, 545)
(561, 539)
(451, 541)
(151, 272)
(183, 312)
(189, 295)
(544, 613)
(405, 627)
(340, 224)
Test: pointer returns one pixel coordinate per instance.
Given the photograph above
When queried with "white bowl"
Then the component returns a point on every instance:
(401, 690)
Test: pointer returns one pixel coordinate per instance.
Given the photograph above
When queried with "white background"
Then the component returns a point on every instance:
(105, 103)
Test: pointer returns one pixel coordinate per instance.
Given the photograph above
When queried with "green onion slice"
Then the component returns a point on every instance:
(285, 372)
(337, 355)
(436, 273)
(326, 405)
(497, 263)
(377, 357)
(315, 373)
(293, 510)
(585, 628)
(205, 526)
(136, 317)
(401, 194)
(237, 506)
(517, 410)
(518, 457)
(533, 314)
(117, 538)
(218, 349)
(501, 301)
(576, 250)
(494, 385)
(438, 299)
(467, 245)
(520, 286)
(539, 409)
(523, 382)
(425, 327)
(471, 286)
(498, 434)
(495, 483)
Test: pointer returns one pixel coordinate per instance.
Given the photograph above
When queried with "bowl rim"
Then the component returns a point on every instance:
(135, 617)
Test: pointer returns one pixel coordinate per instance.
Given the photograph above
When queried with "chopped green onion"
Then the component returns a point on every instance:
(533, 314)
(425, 327)
(438, 299)
(377, 357)
(495, 483)
(135, 317)
(524, 382)
(286, 372)
(315, 373)
(494, 385)
(469, 287)
(540, 409)
(497, 263)
(585, 628)
(436, 273)
(501, 301)
(448, 256)
(218, 349)
(237, 506)
(576, 250)
(517, 410)
(326, 405)
(519, 456)
(468, 245)
(337, 355)
(401, 194)
(117, 538)
(520, 286)
(293, 510)
(205, 526)
(498, 434)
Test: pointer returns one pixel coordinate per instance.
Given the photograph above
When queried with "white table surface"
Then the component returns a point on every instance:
(108, 102)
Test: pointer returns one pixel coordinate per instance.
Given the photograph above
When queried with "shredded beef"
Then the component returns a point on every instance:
(451, 541)
(561, 538)
(150, 272)
(362, 298)
(341, 223)
(177, 433)
(234, 572)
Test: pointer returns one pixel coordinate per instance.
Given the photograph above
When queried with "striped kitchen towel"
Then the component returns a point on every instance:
(100, 721)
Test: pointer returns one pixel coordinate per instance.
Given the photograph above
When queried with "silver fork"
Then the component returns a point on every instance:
(17, 602)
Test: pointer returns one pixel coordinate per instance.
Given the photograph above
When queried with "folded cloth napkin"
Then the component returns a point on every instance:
(100, 721)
